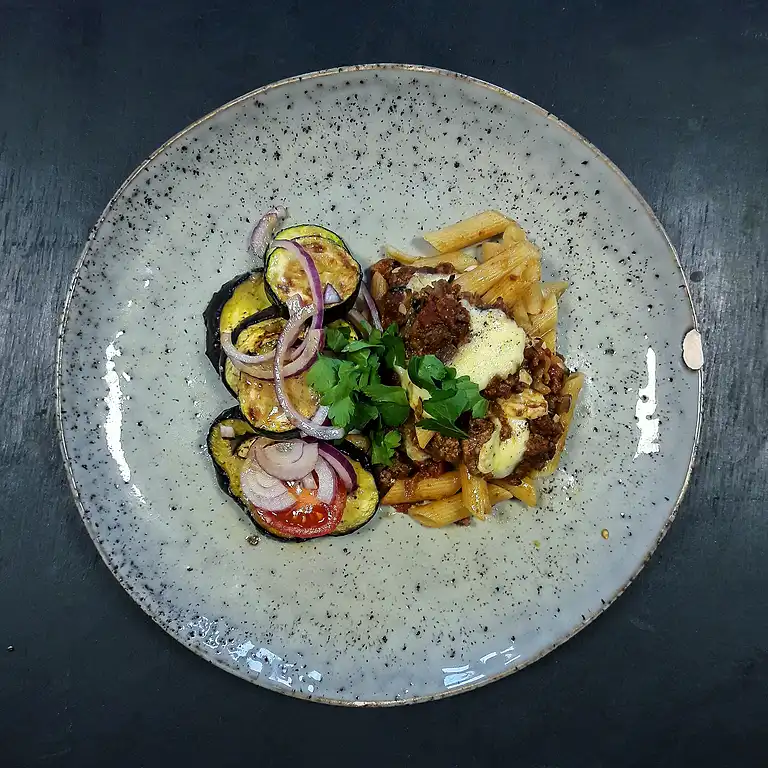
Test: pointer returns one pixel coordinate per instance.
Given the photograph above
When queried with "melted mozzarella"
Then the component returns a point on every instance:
(495, 346)
(422, 280)
(499, 457)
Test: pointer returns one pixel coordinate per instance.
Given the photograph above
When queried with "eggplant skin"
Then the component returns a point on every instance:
(229, 374)
(253, 301)
(305, 230)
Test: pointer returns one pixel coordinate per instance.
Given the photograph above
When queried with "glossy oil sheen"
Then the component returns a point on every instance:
(394, 612)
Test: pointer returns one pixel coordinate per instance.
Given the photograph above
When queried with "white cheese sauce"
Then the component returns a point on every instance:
(495, 346)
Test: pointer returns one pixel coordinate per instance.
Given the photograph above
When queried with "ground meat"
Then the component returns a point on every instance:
(503, 388)
(496, 410)
(397, 275)
(547, 369)
(541, 446)
(395, 305)
(400, 469)
(439, 324)
(480, 431)
(444, 448)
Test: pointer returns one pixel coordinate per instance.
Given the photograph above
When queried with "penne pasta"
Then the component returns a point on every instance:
(498, 494)
(393, 253)
(489, 250)
(514, 233)
(525, 491)
(533, 299)
(572, 386)
(532, 271)
(423, 436)
(521, 316)
(427, 489)
(546, 320)
(474, 493)
(467, 232)
(436, 514)
(556, 288)
(490, 272)
(461, 260)
(550, 339)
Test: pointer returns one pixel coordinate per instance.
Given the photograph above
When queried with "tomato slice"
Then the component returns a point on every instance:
(307, 518)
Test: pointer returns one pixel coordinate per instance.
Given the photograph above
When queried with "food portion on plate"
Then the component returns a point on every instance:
(433, 387)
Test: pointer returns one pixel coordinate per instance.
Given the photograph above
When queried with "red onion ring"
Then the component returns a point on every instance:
(371, 305)
(340, 463)
(331, 295)
(263, 231)
(326, 482)
(299, 315)
(361, 324)
(263, 490)
(313, 277)
(309, 350)
(321, 414)
(288, 460)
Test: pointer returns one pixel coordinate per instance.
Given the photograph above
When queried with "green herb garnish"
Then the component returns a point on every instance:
(449, 396)
(350, 385)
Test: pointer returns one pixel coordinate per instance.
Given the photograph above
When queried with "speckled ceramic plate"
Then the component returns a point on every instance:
(395, 612)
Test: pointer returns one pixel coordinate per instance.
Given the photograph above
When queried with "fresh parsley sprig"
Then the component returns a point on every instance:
(350, 385)
(449, 396)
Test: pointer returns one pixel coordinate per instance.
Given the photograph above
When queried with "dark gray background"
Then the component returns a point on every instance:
(676, 93)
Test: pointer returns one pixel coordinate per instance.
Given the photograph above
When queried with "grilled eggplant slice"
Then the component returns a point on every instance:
(285, 277)
(363, 502)
(305, 230)
(229, 454)
(241, 297)
(258, 400)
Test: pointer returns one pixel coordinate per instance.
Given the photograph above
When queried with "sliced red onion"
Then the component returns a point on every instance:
(331, 295)
(375, 319)
(356, 318)
(298, 318)
(263, 231)
(236, 356)
(309, 482)
(226, 431)
(340, 463)
(321, 414)
(310, 347)
(313, 277)
(263, 490)
(289, 460)
(326, 482)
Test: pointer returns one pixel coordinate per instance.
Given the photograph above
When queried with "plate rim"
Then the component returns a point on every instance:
(353, 68)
